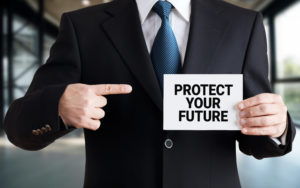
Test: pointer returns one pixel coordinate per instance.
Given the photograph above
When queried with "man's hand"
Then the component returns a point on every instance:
(81, 105)
(263, 114)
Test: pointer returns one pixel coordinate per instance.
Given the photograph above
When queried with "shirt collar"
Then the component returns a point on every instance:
(182, 6)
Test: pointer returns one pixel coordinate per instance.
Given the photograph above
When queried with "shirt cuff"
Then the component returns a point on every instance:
(281, 140)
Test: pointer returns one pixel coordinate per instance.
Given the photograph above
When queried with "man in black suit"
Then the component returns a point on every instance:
(104, 50)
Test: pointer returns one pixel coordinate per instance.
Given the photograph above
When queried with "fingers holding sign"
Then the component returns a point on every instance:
(263, 114)
(81, 105)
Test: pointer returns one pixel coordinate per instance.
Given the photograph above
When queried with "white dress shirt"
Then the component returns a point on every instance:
(180, 23)
(179, 20)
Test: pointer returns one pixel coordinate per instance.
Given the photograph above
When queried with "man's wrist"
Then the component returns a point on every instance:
(63, 125)
(282, 138)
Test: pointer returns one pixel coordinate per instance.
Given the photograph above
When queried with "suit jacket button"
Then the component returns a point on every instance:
(39, 132)
(34, 132)
(48, 127)
(44, 130)
(168, 143)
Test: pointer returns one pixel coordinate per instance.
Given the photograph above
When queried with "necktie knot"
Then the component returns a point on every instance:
(163, 9)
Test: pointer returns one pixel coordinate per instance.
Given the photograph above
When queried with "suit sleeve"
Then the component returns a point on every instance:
(255, 71)
(39, 106)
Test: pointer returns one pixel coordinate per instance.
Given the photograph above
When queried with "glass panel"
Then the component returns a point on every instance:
(291, 95)
(48, 42)
(267, 29)
(5, 63)
(25, 50)
(287, 30)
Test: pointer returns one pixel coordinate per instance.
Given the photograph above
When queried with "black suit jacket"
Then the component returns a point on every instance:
(105, 44)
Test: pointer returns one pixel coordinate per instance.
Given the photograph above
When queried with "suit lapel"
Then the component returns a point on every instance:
(206, 32)
(125, 32)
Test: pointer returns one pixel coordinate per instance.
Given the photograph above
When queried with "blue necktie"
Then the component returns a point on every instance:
(165, 54)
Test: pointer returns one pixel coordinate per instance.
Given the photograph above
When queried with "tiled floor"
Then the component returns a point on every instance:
(62, 165)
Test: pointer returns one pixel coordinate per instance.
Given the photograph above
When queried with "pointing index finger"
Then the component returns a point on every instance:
(112, 89)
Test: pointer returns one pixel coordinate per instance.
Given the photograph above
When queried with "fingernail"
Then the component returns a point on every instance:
(128, 88)
(241, 105)
(244, 130)
(243, 121)
(242, 114)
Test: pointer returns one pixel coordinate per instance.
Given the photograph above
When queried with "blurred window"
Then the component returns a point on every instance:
(48, 42)
(287, 48)
(267, 30)
(25, 54)
(25, 51)
(290, 92)
(287, 37)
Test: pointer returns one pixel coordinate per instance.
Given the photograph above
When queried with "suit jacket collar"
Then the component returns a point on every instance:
(124, 30)
(206, 32)
(182, 6)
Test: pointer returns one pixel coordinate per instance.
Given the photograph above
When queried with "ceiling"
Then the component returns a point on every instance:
(54, 8)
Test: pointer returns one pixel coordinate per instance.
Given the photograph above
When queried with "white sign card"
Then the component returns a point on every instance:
(202, 101)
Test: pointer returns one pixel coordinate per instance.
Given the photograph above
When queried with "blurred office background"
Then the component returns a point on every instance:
(28, 29)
